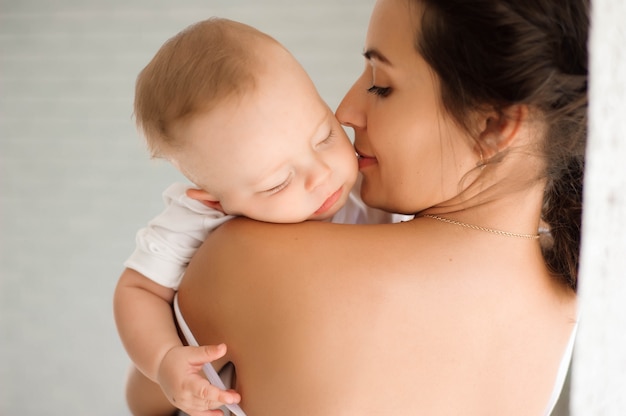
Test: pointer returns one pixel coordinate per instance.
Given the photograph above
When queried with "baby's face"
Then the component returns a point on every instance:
(275, 154)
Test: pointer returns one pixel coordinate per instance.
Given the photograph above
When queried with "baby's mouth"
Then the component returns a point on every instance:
(330, 201)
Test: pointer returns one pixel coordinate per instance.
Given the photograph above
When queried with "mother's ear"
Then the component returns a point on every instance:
(499, 131)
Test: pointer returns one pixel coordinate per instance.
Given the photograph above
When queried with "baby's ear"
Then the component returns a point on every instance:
(500, 130)
(206, 198)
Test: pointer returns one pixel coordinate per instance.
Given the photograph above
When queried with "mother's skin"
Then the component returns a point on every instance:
(377, 319)
(420, 317)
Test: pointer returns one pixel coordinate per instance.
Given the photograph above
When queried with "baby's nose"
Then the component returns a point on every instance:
(318, 175)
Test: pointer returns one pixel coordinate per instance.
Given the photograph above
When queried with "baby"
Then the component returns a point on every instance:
(234, 112)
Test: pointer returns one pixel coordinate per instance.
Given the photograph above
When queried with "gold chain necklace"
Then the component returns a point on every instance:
(476, 227)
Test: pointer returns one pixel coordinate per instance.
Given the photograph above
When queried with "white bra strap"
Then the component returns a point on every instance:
(209, 371)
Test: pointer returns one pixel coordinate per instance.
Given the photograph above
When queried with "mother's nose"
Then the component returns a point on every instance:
(351, 110)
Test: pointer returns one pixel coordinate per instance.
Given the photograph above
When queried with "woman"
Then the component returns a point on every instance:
(472, 116)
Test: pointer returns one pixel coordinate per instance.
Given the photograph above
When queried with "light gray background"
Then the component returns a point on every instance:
(76, 181)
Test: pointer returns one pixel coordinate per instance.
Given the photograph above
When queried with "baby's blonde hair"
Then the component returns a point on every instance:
(191, 73)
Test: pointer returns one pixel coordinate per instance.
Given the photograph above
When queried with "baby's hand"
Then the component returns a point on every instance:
(184, 384)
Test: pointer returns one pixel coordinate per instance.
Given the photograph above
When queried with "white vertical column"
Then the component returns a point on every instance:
(599, 371)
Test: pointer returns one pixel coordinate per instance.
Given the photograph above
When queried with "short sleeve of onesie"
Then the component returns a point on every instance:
(165, 247)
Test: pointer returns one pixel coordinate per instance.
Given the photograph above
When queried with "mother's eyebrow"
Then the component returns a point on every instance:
(375, 54)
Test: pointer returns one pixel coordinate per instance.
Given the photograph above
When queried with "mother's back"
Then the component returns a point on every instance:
(380, 319)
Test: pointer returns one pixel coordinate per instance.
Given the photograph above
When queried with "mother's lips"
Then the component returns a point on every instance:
(365, 160)
(359, 153)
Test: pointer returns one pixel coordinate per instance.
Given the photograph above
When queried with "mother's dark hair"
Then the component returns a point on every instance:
(490, 54)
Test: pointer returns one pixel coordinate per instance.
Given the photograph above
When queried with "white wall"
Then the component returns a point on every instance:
(599, 372)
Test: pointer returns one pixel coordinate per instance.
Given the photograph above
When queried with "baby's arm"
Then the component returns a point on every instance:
(144, 318)
(143, 304)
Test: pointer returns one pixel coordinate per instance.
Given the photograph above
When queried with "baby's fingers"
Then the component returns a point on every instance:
(194, 402)
(211, 395)
(206, 399)
(228, 396)
(206, 354)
